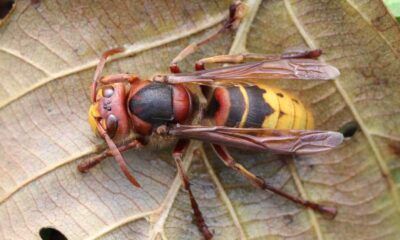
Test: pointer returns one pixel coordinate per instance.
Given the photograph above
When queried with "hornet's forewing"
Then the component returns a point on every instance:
(259, 139)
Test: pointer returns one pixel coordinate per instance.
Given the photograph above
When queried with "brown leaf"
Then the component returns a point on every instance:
(48, 52)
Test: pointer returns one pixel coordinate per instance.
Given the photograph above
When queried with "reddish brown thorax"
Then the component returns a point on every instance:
(153, 104)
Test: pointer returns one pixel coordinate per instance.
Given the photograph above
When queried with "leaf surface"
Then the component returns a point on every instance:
(48, 53)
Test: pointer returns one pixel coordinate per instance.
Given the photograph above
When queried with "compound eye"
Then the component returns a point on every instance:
(108, 91)
(112, 125)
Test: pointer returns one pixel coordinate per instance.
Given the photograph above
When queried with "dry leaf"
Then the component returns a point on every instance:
(48, 51)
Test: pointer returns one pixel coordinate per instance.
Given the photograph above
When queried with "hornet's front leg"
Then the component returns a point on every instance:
(88, 164)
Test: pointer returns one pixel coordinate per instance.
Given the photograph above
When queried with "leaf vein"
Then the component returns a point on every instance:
(239, 43)
(122, 222)
(165, 208)
(131, 50)
(303, 194)
(24, 59)
(223, 195)
(353, 5)
(381, 163)
(46, 171)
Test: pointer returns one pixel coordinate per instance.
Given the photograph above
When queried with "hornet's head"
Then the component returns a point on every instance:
(108, 115)
(109, 110)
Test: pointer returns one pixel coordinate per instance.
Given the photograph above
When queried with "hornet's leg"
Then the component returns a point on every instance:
(241, 58)
(179, 149)
(88, 164)
(260, 183)
(236, 13)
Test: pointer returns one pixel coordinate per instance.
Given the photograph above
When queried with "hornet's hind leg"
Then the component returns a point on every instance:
(260, 183)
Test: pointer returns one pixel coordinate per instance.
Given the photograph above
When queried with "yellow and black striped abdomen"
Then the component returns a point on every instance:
(259, 106)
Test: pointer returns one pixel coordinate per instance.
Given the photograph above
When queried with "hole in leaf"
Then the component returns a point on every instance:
(5, 8)
(349, 129)
(49, 233)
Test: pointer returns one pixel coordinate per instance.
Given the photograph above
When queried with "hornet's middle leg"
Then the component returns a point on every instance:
(242, 58)
(180, 148)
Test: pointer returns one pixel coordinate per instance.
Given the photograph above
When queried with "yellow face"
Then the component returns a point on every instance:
(93, 115)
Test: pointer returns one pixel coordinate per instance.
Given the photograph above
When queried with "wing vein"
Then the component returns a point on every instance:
(303, 194)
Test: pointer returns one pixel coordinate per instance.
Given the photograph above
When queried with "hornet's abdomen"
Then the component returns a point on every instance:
(258, 106)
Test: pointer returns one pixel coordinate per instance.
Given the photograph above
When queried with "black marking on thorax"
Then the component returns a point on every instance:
(153, 103)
